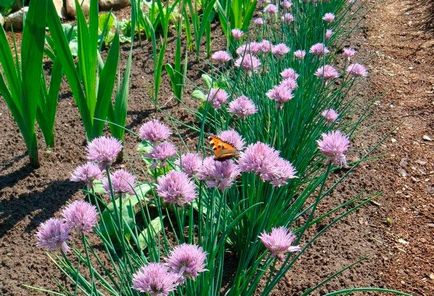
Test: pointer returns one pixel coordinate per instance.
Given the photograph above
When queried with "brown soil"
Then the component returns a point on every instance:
(396, 233)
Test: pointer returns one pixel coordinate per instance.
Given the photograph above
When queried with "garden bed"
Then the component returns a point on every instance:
(31, 196)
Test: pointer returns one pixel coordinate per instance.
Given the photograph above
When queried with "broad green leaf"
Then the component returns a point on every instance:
(149, 234)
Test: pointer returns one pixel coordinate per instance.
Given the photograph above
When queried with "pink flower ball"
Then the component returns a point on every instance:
(86, 173)
(81, 216)
(288, 18)
(248, 62)
(327, 72)
(242, 107)
(299, 54)
(190, 163)
(187, 260)
(221, 57)
(217, 97)
(237, 34)
(233, 138)
(155, 279)
(103, 150)
(289, 73)
(348, 52)
(334, 145)
(328, 17)
(176, 188)
(330, 115)
(121, 180)
(280, 93)
(258, 21)
(357, 70)
(319, 49)
(328, 34)
(218, 174)
(271, 9)
(154, 131)
(280, 50)
(52, 235)
(279, 242)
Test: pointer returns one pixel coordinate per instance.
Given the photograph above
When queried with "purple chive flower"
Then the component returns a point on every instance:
(319, 49)
(122, 181)
(334, 145)
(265, 161)
(162, 151)
(186, 260)
(154, 131)
(86, 173)
(328, 34)
(281, 171)
(242, 107)
(218, 174)
(330, 115)
(286, 4)
(327, 72)
(221, 57)
(280, 93)
(328, 17)
(189, 163)
(251, 47)
(288, 18)
(52, 235)
(348, 52)
(155, 279)
(289, 73)
(271, 9)
(357, 70)
(233, 138)
(279, 242)
(299, 54)
(280, 50)
(289, 83)
(103, 150)
(258, 21)
(217, 97)
(80, 215)
(248, 62)
(265, 46)
(237, 34)
(176, 188)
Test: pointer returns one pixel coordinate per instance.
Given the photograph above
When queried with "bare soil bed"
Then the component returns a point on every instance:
(395, 40)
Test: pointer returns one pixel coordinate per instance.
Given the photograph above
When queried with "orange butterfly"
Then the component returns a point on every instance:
(222, 150)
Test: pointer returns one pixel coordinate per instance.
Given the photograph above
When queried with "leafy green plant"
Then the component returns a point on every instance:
(20, 80)
(197, 25)
(178, 71)
(235, 14)
(47, 107)
(91, 80)
(118, 111)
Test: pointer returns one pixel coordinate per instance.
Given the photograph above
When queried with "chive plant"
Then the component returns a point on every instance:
(200, 226)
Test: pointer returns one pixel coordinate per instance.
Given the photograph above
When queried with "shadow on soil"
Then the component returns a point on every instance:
(40, 205)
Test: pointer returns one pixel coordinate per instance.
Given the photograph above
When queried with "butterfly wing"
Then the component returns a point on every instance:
(222, 150)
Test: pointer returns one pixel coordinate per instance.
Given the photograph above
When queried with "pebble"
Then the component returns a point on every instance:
(426, 138)
(403, 241)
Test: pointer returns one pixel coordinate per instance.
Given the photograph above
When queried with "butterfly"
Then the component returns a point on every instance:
(222, 150)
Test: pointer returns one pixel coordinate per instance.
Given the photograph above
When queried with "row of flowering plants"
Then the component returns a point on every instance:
(229, 220)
